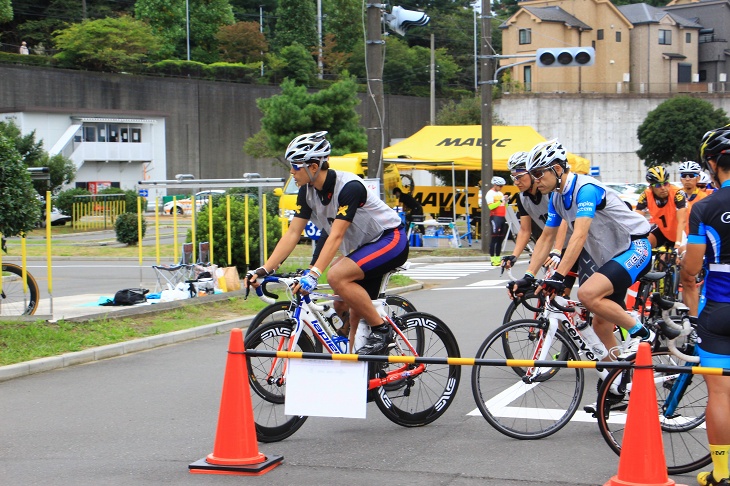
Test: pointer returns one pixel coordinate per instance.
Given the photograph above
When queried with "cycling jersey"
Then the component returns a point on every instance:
(664, 213)
(709, 224)
(614, 225)
(536, 207)
(494, 197)
(341, 197)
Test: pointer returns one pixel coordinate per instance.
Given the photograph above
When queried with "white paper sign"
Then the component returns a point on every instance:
(326, 388)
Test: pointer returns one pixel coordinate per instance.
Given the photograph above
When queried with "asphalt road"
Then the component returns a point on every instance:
(143, 418)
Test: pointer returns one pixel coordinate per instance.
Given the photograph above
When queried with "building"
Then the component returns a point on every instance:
(638, 48)
(664, 50)
(109, 149)
(714, 48)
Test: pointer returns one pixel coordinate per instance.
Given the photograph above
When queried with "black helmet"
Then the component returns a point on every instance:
(715, 143)
(657, 175)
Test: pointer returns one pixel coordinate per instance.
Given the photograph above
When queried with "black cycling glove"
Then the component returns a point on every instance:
(554, 284)
(522, 285)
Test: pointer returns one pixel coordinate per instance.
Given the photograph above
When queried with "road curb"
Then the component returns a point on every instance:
(41, 365)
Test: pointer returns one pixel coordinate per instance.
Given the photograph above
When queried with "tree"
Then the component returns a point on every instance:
(168, 21)
(6, 11)
(335, 61)
(299, 65)
(343, 21)
(115, 44)
(296, 22)
(672, 131)
(61, 169)
(19, 208)
(242, 42)
(295, 111)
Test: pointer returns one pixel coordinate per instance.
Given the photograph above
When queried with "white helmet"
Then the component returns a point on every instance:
(498, 181)
(704, 178)
(547, 154)
(309, 146)
(690, 166)
(517, 161)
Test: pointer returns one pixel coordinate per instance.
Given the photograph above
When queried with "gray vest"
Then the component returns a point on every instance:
(536, 212)
(370, 221)
(613, 226)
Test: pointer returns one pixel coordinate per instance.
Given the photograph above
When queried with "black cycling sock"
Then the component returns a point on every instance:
(382, 328)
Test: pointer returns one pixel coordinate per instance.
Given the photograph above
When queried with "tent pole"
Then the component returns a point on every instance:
(487, 68)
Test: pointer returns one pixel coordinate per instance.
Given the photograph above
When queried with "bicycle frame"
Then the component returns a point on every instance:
(310, 314)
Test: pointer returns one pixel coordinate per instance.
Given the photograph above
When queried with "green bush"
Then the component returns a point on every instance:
(127, 229)
(130, 198)
(220, 248)
(227, 71)
(65, 199)
(32, 60)
(171, 67)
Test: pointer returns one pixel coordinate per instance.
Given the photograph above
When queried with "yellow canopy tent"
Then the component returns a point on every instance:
(462, 146)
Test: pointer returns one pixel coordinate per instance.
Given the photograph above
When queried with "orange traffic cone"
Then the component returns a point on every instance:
(642, 459)
(236, 449)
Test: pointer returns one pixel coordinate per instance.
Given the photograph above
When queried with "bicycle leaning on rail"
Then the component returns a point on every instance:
(409, 394)
(19, 292)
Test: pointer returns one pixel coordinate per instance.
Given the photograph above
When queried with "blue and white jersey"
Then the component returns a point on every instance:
(614, 225)
(709, 224)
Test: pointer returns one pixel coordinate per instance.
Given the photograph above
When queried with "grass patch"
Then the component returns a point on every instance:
(24, 341)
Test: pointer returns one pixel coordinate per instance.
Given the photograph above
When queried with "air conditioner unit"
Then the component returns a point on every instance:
(627, 77)
(696, 77)
(722, 77)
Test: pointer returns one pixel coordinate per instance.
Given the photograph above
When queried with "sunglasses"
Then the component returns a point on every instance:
(538, 174)
(690, 175)
(517, 176)
(658, 185)
(297, 166)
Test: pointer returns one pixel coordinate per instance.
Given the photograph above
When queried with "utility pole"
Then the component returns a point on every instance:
(374, 72)
(487, 69)
(261, 29)
(320, 64)
(433, 80)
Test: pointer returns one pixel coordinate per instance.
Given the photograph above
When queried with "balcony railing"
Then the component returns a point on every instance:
(612, 88)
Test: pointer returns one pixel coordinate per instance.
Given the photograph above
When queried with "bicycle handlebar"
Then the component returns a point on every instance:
(554, 302)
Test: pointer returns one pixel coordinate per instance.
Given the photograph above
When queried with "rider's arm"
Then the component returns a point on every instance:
(561, 236)
(523, 236)
(681, 224)
(547, 239)
(696, 245)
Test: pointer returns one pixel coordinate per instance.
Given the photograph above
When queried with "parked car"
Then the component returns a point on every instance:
(57, 217)
(185, 206)
(628, 193)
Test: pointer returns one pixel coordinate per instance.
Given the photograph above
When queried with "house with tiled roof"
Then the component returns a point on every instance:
(624, 60)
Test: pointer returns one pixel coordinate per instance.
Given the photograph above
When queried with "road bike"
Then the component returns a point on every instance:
(410, 395)
(681, 397)
(665, 260)
(279, 310)
(18, 297)
(536, 402)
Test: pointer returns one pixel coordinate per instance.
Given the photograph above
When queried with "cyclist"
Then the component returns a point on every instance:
(667, 206)
(710, 237)
(369, 234)
(705, 183)
(532, 209)
(497, 204)
(410, 205)
(609, 241)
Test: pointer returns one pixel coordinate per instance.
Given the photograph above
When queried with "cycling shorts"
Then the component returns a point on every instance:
(626, 268)
(379, 257)
(713, 330)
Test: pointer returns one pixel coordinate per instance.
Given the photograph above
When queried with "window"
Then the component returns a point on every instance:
(113, 133)
(89, 133)
(525, 36)
(528, 78)
(125, 134)
(703, 75)
(688, 37)
(618, 36)
(136, 135)
(665, 37)
(599, 34)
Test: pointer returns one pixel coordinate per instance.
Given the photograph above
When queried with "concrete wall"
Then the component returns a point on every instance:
(206, 122)
(600, 128)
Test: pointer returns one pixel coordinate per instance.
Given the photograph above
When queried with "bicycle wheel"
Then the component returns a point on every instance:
(14, 300)
(420, 399)
(278, 311)
(529, 307)
(267, 392)
(521, 402)
(397, 306)
(681, 403)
